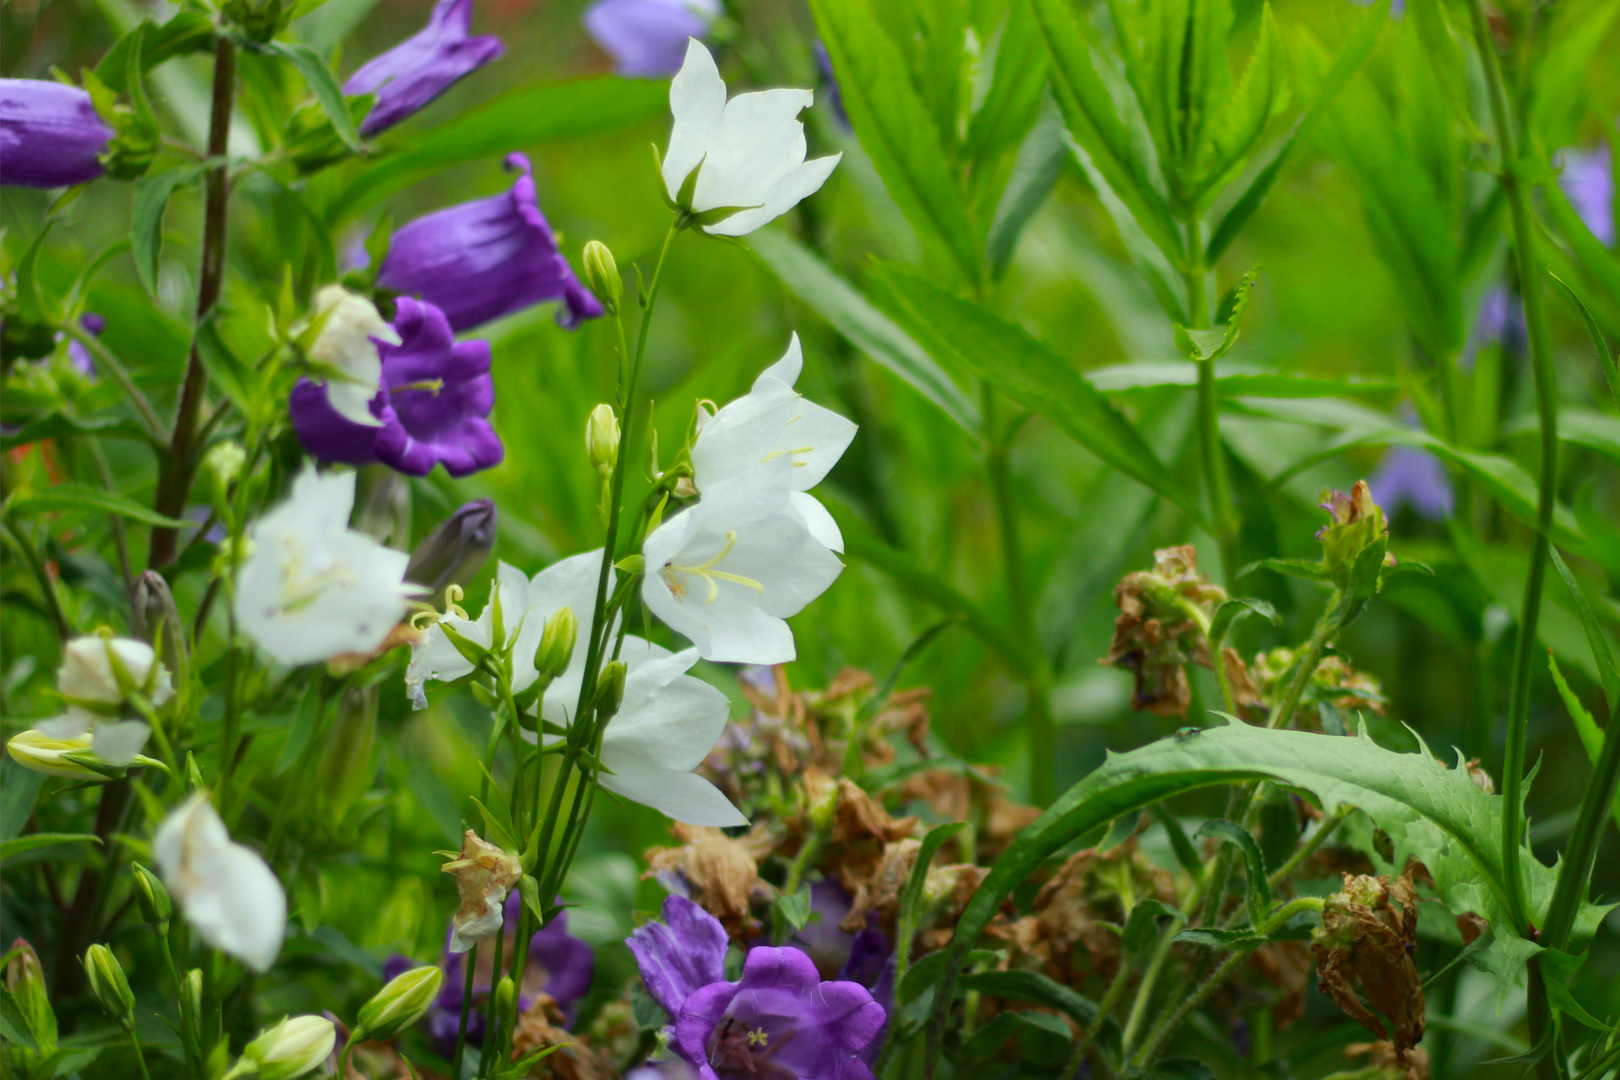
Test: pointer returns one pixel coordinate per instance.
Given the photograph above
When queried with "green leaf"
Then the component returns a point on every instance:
(1186, 854)
(81, 498)
(1033, 987)
(151, 198)
(323, 84)
(495, 830)
(62, 426)
(794, 907)
(1231, 612)
(1428, 811)
(988, 1040)
(19, 789)
(896, 130)
(1231, 380)
(1300, 568)
(1602, 656)
(1207, 346)
(1259, 892)
(1586, 728)
(911, 895)
(1092, 115)
(1014, 98)
(1239, 940)
(1606, 359)
(820, 287)
(1349, 60)
(1035, 173)
(527, 116)
(186, 32)
(1557, 969)
(302, 730)
(928, 969)
(1142, 926)
(1029, 373)
(17, 845)
(14, 1027)
(1242, 117)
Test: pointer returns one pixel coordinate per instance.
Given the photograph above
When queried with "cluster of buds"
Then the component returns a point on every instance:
(1160, 629)
(1357, 528)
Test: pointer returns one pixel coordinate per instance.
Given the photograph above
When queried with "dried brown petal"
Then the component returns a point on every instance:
(537, 1028)
(1396, 1065)
(721, 872)
(1155, 636)
(484, 874)
(1366, 940)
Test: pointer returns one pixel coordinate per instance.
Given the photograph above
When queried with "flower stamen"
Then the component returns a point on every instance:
(708, 573)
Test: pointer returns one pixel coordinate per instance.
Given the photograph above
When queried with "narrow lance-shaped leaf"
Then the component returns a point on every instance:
(323, 84)
(1029, 373)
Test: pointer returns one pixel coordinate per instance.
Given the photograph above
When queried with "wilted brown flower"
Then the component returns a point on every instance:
(722, 873)
(484, 874)
(538, 1028)
(969, 795)
(1155, 635)
(1367, 936)
(1412, 1065)
(855, 828)
(946, 890)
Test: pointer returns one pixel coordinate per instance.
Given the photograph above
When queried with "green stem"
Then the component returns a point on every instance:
(1305, 666)
(1222, 512)
(42, 577)
(492, 1016)
(140, 1057)
(1105, 1008)
(1518, 195)
(469, 960)
(1309, 847)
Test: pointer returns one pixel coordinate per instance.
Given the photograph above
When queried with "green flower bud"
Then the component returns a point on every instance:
(602, 438)
(156, 907)
(156, 620)
(348, 763)
(557, 643)
(107, 983)
(404, 1001)
(225, 462)
(1357, 525)
(66, 758)
(25, 980)
(259, 20)
(191, 992)
(505, 995)
(602, 275)
(610, 689)
(297, 1045)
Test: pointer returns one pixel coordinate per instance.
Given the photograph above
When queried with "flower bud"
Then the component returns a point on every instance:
(404, 1001)
(456, 550)
(225, 462)
(260, 20)
(38, 752)
(557, 643)
(382, 505)
(25, 980)
(94, 669)
(54, 137)
(156, 907)
(297, 1045)
(155, 619)
(1357, 524)
(602, 438)
(505, 993)
(348, 763)
(107, 983)
(610, 689)
(191, 992)
(602, 275)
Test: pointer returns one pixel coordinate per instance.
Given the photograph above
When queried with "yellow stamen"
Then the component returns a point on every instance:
(708, 573)
(432, 386)
(757, 1037)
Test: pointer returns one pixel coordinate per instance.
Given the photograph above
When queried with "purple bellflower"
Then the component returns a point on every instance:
(1409, 476)
(1588, 182)
(780, 1019)
(77, 353)
(487, 258)
(647, 38)
(434, 404)
(420, 68)
(50, 134)
(560, 965)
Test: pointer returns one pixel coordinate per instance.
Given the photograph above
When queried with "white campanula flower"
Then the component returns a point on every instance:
(89, 681)
(728, 571)
(311, 588)
(748, 153)
(774, 420)
(225, 890)
(344, 352)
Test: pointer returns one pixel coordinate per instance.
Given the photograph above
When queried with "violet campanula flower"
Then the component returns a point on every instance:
(647, 38)
(1412, 477)
(50, 134)
(778, 1015)
(80, 356)
(433, 407)
(420, 68)
(457, 549)
(1587, 178)
(559, 965)
(487, 258)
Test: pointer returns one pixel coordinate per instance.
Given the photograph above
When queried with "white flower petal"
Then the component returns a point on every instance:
(682, 796)
(225, 890)
(697, 98)
(786, 192)
(118, 743)
(788, 369)
(823, 529)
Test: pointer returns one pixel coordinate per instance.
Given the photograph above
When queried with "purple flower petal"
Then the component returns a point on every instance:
(487, 258)
(569, 963)
(1412, 477)
(80, 356)
(440, 394)
(647, 38)
(1588, 182)
(420, 68)
(681, 955)
(50, 134)
(327, 434)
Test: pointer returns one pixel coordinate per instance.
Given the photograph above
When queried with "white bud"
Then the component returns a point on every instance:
(404, 1001)
(297, 1045)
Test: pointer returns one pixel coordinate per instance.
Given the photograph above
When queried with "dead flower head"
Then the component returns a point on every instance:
(538, 1028)
(484, 874)
(1393, 1065)
(1156, 636)
(1366, 940)
(721, 873)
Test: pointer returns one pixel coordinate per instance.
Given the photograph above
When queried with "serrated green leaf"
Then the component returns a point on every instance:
(1028, 372)
(81, 498)
(895, 128)
(1240, 940)
(1207, 346)
(1241, 118)
(1586, 728)
(323, 84)
(833, 298)
(1606, 358)
(187, 31)
(1429, 811)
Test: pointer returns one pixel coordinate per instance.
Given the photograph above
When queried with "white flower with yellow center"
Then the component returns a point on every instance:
(226, 891)
(727, 572)
(774, 420)
(311, 588)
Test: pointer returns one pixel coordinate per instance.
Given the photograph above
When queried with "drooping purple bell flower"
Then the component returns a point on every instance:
(559, 965)
(420, 68)
(1410, 476)
(487, 258)
(647, 38)
(1588, 182)
(779, 1019)
(456, 550)
(50, 134)
(434, 405)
